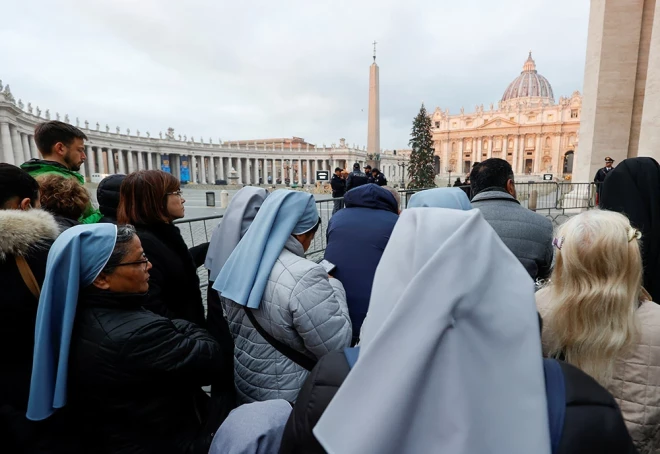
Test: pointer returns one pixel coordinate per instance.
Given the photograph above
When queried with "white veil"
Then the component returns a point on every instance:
(450, 358)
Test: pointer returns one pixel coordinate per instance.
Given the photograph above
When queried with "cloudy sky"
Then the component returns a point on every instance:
(248, 70)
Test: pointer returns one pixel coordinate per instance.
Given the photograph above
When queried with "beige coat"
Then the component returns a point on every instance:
(636, 381)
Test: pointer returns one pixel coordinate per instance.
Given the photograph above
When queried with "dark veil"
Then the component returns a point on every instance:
(633, 189)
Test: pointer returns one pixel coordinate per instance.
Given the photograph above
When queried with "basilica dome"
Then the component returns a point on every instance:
(529, 84)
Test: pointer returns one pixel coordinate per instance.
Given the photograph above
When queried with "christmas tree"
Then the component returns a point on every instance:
(421, 170)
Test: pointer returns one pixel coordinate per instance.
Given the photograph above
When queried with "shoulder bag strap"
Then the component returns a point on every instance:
(300, 359)
(555, 390)
(28, 277)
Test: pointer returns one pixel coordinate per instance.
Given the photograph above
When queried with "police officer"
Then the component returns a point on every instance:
(600, 176)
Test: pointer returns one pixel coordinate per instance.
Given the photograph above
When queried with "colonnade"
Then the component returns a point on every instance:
(17, 146)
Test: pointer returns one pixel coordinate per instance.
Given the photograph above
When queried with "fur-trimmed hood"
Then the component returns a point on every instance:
(22, 230)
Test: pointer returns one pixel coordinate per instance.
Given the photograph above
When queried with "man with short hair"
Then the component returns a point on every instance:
(62, 147)
(357, 236)
(378, 178)
(527, 234)
(367, 171)
(338, 185)
(600, 176)
(356, 178)
(26, 233)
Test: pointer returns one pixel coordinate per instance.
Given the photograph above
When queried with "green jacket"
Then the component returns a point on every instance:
(37, 167)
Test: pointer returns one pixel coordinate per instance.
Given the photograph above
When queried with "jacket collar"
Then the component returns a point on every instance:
(23, 230)
(293, 245)
(494, 194)
(93, 296)
(39, 164)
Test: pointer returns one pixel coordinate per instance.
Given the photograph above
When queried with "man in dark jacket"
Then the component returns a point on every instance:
(357, 236)
(378, 178)
(26, 234)
(368, 173)
(63, 149)
(600, 176)
(356, 178)
(527, 234)
(107, 194)
(338, 185)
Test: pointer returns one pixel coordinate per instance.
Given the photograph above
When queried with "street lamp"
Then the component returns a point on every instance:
(449, 169)
(402, 164)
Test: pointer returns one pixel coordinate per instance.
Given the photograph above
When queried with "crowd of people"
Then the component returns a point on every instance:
(536, 342)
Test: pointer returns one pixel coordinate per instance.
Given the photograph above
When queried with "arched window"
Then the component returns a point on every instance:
(568, 162)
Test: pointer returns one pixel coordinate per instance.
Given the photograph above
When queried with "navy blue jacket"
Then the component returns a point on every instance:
(357, 236)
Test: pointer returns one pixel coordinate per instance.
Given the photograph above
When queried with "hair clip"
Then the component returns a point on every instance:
(558, 242)
(634, 233)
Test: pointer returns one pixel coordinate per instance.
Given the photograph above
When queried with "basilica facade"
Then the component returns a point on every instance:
(535, 134)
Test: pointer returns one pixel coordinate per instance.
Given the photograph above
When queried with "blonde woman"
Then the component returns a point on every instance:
(597, 316)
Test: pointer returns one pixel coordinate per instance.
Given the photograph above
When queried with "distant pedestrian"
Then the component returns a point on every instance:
(367, 171)
(107, 194)
(378, 178)
(338, 184)
(458, 182)
(356, 178)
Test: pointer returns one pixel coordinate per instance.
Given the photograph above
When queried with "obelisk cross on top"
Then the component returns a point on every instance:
(375, 51)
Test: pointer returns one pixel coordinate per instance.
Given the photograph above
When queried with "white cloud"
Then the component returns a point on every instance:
(241, 70)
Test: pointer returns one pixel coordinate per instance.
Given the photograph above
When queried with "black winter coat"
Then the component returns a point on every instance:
(173, 284)
(356, 178)
(338, 185)
(28, 234)
(592, 425)
(135, 378)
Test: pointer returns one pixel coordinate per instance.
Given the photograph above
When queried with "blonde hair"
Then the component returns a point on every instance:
(595, 291)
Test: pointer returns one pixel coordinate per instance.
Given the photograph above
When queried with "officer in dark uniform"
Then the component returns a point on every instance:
(338, 185)
(367, 171)
(601, 174)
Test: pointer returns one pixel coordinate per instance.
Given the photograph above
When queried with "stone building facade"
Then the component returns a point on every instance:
(535, 134)
(191, 159)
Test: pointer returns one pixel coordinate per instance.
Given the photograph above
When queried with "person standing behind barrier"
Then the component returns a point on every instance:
(238, 217)
(600, 176)
(107, 194)
(283, 311)
(527, 234)
(633, 189)
(338, 185)
(356, 178)
(598, 317)
(63, 148)
(357, 237)
(150, 200)
(378, 178)
(130, 378)
(26, 234)
(64, 198)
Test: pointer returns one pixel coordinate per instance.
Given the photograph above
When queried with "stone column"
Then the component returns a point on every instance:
(202, 170)
(282, 170)
(538, 154)
(255, 171)
(26, 147)
(462, 158)
(309, 171)
(16, 145)
(7, 149)
(131, 162)
(649, 140)
(33, 148)
(122, 161)
(192, 165)
(447, 157)
(515, 154)
(212, 176)
(557, 161)
(239, 162)
(99, 159)
(91, 159)
(291, 170)
(111, 162)
(140, 162)
(221, 169)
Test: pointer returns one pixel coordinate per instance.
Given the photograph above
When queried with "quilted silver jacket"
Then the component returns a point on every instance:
(636, 381)
(300, 307)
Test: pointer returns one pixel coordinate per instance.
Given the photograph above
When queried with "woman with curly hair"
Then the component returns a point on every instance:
(598, 317)
(64, 198)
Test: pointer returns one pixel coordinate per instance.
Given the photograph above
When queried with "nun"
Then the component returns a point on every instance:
(284, 311)
(453, 198)
(237, 219)
(131, 379)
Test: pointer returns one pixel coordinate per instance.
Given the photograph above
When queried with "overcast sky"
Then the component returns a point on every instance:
(258, 69)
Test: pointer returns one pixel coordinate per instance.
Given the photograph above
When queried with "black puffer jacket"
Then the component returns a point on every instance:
(135, 378)
(174, 284)
(592, 423)
(107, 194)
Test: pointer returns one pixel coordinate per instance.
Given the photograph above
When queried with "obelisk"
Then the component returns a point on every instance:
(373, 134)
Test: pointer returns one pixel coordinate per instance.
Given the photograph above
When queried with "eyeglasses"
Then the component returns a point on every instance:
(144, 260)
(177, 193)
